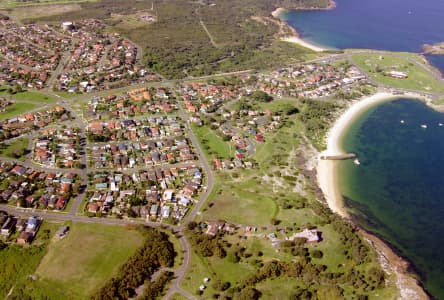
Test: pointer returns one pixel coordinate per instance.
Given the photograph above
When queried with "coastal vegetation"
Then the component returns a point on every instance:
(317, 117)
(176, 44)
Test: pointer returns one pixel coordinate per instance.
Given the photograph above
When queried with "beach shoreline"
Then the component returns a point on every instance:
(327, 178)
(294, 36)
(326, 169)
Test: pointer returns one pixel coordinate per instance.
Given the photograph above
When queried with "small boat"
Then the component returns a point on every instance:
(440, 124)
(424, 126)
(357, 162)
(402, 122)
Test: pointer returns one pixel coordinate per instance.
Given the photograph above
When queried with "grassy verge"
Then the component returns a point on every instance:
(16, 109)
(29, 96)
(34, 97)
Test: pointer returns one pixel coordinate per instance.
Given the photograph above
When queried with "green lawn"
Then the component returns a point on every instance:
(34, 97)
(30, 96)
(212, 144)
(14, 148)
(418, 79)
(16, 109)
(241, 203)
(89, 255)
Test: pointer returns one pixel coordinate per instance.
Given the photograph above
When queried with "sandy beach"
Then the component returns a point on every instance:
(327, 177)
(294, 37)
(326, 170)
(301, 42)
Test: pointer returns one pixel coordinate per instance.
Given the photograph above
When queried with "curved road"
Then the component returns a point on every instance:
(186, 248)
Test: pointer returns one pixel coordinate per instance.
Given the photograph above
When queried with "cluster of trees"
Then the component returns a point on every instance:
(207, 245)
(154, 289)
(319, 282)
(317, 115)
(156, 252)
(261, 96)
(358, 251)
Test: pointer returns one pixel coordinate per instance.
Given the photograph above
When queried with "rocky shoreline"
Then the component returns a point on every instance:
(435, 49)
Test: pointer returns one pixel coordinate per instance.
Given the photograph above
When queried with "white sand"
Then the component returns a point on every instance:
(278, 12)
(326, 170)
(301, 42)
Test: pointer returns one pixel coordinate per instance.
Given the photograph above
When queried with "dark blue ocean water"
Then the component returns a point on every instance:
(437, 61)
(398, 190)
(396, 25)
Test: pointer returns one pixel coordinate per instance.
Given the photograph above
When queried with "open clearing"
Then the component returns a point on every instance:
(212, 144)
(241, 203)
(77, 265)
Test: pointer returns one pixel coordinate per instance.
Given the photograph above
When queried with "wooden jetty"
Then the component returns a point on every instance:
(339, 156)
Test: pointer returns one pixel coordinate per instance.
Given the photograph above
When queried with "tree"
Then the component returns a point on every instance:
(317, 253)
(219, 285)
(261, 96)
(248, 293)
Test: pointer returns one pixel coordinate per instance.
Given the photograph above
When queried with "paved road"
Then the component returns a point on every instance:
(33, 165)
(186, 248)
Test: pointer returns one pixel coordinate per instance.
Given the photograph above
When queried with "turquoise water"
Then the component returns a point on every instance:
(398, 190)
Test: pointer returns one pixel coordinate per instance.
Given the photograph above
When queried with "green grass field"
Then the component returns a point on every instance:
(18, 146)
(16, 109)
(77, 265)
(212, 144)
(34, 97)
(251, 207)
(418, 79)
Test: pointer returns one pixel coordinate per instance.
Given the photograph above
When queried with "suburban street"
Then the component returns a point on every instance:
(74, 213)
